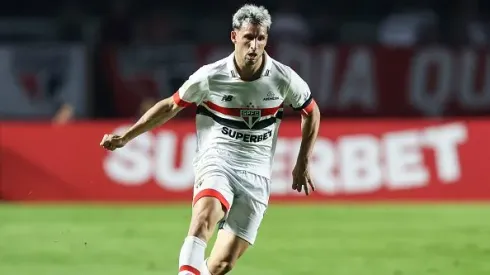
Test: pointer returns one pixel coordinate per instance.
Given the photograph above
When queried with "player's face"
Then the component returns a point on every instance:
(250, 41)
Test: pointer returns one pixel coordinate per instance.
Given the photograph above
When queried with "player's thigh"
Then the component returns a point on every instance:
(213, 197)
(206, 213)
(244, 218)
(237, 232)
(249, 206)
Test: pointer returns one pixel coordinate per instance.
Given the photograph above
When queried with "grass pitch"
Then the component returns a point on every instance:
(330, 240)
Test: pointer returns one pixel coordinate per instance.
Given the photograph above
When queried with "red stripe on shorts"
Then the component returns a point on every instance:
(189, 269)
(212, 193)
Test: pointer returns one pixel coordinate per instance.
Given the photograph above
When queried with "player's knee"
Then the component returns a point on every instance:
(220, 267)
(200, 225)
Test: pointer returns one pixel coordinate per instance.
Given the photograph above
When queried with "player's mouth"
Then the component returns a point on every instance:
(252, 55)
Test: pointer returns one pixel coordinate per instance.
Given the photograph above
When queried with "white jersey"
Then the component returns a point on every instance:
(238, 121)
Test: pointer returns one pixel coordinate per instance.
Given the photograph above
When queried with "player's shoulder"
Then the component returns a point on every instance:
(281, 70)
(287, 73)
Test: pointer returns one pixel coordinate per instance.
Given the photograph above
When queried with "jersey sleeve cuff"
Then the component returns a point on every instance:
(307, 106)
(179, 101)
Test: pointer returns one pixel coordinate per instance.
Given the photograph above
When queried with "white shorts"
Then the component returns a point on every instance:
(244, 197)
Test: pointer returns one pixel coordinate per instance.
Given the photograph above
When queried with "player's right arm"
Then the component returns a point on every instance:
(192, 91)
(300, 98)
(157, 115)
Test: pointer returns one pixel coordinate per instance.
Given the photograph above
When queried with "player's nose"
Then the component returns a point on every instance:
(253, 45)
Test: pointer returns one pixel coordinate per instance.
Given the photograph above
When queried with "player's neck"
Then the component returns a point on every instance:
(250, 73)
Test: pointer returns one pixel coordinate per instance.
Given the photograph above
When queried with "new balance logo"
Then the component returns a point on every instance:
(227, 98)
(271, 96)
(198, 184)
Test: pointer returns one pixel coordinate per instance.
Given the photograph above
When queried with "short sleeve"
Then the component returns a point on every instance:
(299, 95)
(193, 90)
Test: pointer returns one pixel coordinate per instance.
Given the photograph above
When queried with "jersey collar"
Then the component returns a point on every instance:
(266, 71)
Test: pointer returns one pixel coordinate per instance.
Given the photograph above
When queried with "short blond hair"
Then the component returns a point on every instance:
(252, 14)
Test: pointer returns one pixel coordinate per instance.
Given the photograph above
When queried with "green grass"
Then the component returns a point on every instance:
(330, 240)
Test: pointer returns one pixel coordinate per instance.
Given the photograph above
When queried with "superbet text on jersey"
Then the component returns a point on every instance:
(238, 121)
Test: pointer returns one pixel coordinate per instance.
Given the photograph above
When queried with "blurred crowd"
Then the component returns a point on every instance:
(393, 22)
(98, 24)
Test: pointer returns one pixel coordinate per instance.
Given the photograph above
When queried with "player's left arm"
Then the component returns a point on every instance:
(300, 99)
(310, 125)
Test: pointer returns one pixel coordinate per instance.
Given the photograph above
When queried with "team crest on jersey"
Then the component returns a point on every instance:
(250, 116)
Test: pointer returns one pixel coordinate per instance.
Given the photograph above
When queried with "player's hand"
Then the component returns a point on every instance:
(112, 142)
(302, 179)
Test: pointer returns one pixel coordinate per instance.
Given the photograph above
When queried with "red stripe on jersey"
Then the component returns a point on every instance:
(179, 101)
(189, 269)
(236, 111)
(309, 108)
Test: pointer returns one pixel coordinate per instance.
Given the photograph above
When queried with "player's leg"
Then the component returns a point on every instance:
(212, 200)
(226, 251)
(237, 232)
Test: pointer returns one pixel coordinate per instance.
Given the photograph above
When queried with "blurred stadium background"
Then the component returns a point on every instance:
(401, 163)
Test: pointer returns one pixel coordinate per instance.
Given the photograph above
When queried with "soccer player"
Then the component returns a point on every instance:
(239, 107)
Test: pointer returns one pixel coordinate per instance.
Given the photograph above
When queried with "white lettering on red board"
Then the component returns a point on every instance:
(460, 80)
(152, 157)
(351, 164)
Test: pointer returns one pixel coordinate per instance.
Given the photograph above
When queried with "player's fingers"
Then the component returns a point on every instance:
(307, 189)
(107, 144)
(103, 140)
(312, 185)
(294, 185)
(295, 182)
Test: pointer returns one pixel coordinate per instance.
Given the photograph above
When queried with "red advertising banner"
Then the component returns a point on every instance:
(345, 80)
(353, 160)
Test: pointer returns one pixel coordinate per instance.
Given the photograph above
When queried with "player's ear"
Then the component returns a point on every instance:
(233, 36)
